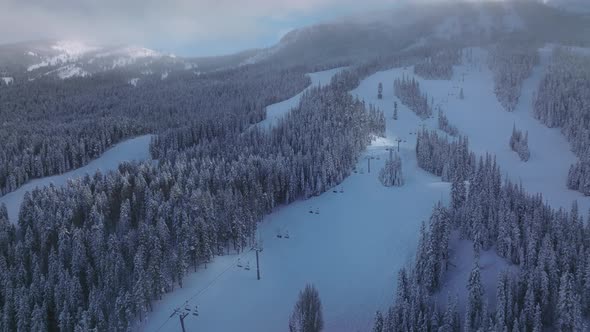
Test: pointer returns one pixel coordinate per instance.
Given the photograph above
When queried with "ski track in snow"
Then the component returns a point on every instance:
(275, 112)
(132, 149)
(351, 251)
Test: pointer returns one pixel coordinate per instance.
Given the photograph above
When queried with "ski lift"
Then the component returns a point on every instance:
(341, 190)
(286, 234)
(247, 268)
(239, 263)
(317, 211)
(335, 191)
(196, 311)
(279, 235)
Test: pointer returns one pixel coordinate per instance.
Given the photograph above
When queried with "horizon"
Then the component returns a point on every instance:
(225, 28)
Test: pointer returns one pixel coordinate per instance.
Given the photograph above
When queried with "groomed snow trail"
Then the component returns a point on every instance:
(275, 112)
(351, 251)
(481, 118)
(133, 149)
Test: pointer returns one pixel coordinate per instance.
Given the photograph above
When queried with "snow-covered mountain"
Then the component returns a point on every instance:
(344, 40)
(367, 35)
(66, 59)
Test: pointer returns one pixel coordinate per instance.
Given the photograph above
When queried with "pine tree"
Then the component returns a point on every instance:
(474, 311)
(569, 316)
(378, 323)
(307, 313)
(391, 174)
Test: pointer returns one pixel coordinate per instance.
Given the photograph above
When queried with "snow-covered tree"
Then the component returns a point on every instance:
(307, 313)
(440, 65)
(474, 312)
(519, 143)
(444, 125)
(391, 174)
(511, 64)
(408, 92)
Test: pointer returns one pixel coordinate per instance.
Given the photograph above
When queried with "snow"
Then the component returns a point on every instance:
(70, 71)
(73, 48)
(164, 75)
(7, 80)
(68, 51)
(134, 81)
(489, 127)
(133, 149)
(131, 53)
(275, 112)
(140, 52)
(461, 263)
(71, 51)
(351, 251)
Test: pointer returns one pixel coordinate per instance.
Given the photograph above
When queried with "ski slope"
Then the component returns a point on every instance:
(361, 237)
(133, 149)
(275, 112)
(351, 251)
(488, 126)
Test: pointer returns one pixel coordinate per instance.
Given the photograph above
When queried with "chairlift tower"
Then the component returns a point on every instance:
(398, 140)
(183, 313)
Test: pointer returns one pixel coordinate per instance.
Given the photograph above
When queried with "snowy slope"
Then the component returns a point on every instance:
(7, 80)
(277, 111)
(66, 59)
(133, 149)
(65, 51)
(488, 127)
(351, 250)
(455, 280)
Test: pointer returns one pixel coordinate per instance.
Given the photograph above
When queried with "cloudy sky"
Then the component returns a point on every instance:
(185, 27)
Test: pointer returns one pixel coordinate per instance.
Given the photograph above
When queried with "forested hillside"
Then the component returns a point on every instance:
(108, 250)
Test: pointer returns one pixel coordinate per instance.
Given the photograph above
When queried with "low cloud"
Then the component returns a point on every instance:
(150, 22)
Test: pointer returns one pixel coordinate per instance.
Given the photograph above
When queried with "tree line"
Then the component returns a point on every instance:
(550, 247)
(96, 253)
(562, 100)
(511, 62)
(409, 93)
(54, 126)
